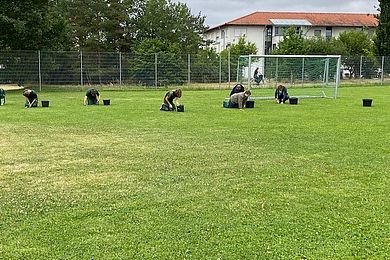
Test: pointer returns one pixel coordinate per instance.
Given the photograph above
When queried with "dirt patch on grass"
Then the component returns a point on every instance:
(10, 86)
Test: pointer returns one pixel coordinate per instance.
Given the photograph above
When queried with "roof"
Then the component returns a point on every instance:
(287, 22)
(316, 19)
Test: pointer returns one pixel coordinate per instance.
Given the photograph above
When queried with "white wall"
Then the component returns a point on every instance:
(256, 35)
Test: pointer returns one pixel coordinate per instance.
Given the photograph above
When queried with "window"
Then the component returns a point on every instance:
(317, 33)
(241, 32)
(279, 31)
(328, 33)
(269, 31)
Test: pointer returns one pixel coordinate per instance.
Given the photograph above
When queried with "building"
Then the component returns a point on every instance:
(266, 29)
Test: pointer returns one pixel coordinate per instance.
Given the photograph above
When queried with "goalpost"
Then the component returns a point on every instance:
(305, 76)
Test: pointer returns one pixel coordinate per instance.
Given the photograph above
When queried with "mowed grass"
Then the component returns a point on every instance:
(129, 181)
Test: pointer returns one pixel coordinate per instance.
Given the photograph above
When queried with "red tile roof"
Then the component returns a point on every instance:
(316, 19)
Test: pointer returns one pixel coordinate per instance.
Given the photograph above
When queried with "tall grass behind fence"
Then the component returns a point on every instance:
(49, 68)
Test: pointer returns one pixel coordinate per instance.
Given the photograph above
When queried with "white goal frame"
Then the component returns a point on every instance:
(328, 79)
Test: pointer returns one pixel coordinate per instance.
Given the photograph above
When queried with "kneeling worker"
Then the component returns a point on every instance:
(170, 99)
(239, 99)
(281, 94)
(92, 97)
(237, 89)
(31, 98)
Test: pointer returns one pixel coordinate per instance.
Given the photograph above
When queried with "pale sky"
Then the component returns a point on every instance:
(220, 11)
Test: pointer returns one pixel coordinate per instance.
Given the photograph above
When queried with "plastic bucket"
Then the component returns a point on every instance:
(45, 103)
(367, 102)
(250, 104)
(106, 102)
(293, 101)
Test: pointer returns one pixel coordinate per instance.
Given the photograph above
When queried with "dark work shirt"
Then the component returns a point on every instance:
(32, 95)
(92, 93)
(171, 96)
(281, 93)
(237, 89)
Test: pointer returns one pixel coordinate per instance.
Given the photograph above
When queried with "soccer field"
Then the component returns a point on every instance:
(129, 181)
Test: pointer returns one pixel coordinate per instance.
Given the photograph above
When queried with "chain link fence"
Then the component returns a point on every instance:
(128, 70)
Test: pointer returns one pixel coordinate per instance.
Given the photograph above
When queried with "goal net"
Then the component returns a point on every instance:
(305, 76)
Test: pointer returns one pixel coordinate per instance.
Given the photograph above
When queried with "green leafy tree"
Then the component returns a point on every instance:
(31, 25)
(240, 48)
(383, 29)
(292, 43)
(351, 44)
(357, 44)
(170, 31)
(103, 25)
(171, 26)
(233, 52)
(323, 46)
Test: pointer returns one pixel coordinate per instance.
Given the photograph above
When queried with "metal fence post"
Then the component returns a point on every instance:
(303, 71)
(249, 72)
(229, 68)
(361, 67)
(220, 71)
(382, 72)
(81, 68)
(189, 69)
(120, 68)
(39, 70)
(155, 70)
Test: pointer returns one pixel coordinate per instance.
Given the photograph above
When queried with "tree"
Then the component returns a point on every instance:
(170, 31)
(323, 46)
(292, 43)
(234, 51)
(383, 29)
(103, 25)
(31, 25)
(357, 44)
(240, 48)
(171, 26)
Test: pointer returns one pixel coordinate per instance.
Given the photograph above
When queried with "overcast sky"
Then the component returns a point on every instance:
(220, 11)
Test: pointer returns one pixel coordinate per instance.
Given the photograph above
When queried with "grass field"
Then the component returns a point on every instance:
(129, 181)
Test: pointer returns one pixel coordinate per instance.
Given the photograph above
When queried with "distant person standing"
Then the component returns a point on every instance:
(92, 97)
(239, 99)
(237, 89)
(281, 94)
(31, 98)
(171, 100)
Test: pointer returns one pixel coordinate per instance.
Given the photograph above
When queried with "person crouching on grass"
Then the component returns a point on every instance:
(170, 99)
(281, 94)
(239, 99)
(31, 98)
(237, 89)
(92, 97)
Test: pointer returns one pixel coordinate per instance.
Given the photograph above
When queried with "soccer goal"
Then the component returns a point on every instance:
(305, 76)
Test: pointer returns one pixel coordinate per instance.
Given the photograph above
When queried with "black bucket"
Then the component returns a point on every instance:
(45, 103)
(367, 102)
(106, 102)
(250, 104)
(293, 100)
(180, 108)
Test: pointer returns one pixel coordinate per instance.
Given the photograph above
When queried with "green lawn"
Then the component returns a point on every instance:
(129, 181)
